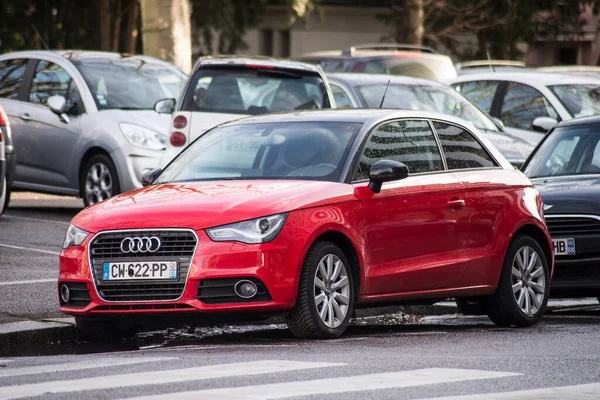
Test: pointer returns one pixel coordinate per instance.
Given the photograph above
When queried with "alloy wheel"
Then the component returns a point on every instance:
(332, 290)
(98, 183)
(528, 280)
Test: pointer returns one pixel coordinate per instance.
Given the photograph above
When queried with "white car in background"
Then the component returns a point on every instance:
(222, 89)
(530, 103)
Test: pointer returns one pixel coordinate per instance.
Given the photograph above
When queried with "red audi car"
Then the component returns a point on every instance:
(311, 214)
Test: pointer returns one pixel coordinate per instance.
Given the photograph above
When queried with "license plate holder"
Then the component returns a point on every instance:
(140, 270)
(564, 246)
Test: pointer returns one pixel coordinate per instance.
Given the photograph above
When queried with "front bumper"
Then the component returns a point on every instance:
(273, 265)
(132, 163)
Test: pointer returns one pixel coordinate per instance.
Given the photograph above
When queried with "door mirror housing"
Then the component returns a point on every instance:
(386, 171)
(58, 105)
(150, 176)
(165, 106)
(543, 124)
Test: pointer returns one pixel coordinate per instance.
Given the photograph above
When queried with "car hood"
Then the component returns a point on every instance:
(147, 118)
(515, 150)
(200, 205)
(570, 195)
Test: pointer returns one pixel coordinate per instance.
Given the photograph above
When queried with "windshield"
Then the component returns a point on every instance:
(426, 98)
(130, 83)
(244, 90)
(579, 100)
(569, 150)
(299, 150)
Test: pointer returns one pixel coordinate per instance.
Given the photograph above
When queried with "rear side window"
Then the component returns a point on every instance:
(461, 148)
(342, 98)
(52, 80)
(254, 91)
(11, 76)
(409, 142)
(479, 92)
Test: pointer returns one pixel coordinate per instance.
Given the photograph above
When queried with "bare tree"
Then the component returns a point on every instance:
(166, 31)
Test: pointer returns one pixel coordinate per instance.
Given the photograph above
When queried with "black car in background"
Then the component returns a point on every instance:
(5, 152)
(565, 168)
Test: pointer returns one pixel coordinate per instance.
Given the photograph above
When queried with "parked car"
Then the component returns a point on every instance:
(367, 91)
(4, 128)
(83, 122)
(530, 103)
(386, 58)
(565, 168)
(583, 70)
(310, 214)
(469, 67)
(221, 89)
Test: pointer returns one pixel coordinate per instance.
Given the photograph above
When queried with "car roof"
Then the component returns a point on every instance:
(80, 55)
(593, 119)
(530, 77)
(263, 61)
(368, 116)
(370, 54)
(350, 78)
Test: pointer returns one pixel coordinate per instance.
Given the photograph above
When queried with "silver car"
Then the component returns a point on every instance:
(83, 123)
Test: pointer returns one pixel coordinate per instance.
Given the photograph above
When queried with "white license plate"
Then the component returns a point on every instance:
(133, 270)
(564, 247)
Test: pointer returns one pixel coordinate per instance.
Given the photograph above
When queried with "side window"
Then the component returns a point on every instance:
(461, 148)
(522, 104)
(52, 80)
(342, 99)
(11, 76)
(479, 92)
(410, 142)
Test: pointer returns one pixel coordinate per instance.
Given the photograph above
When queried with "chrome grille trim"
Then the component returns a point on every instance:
(572, 224)
(170, 250)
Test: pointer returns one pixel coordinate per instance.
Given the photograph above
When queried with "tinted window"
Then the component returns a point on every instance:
(52, 80)
(11, 75)
(342, 99)
(461, 148)
(254, 91)
(479, 92)
(522, 104)
(300, 150)
(580, 100)
(409, 142)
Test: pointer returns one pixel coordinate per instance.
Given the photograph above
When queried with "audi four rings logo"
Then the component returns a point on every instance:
(140, 244)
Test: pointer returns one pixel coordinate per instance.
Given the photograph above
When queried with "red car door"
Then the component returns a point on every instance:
(415, 229)
(485, 194)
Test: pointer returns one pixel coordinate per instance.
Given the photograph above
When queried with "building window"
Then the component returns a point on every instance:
(567, 56)
(266, 42)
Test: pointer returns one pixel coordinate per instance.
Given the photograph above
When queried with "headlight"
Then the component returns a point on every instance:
(260, 230)
(74, 237)
(144, 137)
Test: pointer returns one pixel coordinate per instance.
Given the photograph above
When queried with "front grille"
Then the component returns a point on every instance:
(565, 225)
(583, 273)
(221, 291)
(145, 307)
(176, 245)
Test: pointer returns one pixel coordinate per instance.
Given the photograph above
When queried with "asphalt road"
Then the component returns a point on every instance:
(397, 356)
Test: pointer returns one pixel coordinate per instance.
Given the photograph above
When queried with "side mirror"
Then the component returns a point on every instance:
(165, 106)
(150, 176)
(386, 171)
(58, 105)
(543, 124)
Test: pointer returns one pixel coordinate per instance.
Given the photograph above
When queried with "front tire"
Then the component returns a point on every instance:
(99, 180)
(325, 299)
(522, 294)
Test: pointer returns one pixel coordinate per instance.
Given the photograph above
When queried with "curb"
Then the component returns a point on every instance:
(17, 338)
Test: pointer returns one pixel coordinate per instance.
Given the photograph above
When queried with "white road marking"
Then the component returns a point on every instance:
(94, 363)
(27, 282)
(56, 253)
(158, 377)
(390, 380)
(589, 391)
(4, 361)
(49, 221)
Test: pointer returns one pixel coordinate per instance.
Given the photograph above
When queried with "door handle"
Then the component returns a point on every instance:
(456, 204)
(26, 117)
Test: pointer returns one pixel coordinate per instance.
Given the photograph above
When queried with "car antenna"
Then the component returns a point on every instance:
(487, 52)
(384, 93)
(41, 38)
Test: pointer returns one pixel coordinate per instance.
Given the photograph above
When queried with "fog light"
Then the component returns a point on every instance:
(65, 294)
(245, 289)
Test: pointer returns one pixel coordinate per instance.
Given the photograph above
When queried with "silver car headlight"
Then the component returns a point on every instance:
(143, 137)
(75, 236)
(259, 230)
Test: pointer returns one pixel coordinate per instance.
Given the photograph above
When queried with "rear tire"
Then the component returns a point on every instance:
(102, 331)
(471, 307)
(325, 299)
(522, 293)
(99, 180)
